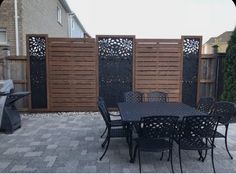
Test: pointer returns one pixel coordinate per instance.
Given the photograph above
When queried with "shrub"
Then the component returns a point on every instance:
(229, 92)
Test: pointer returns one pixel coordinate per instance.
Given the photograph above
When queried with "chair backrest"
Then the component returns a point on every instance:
(156, 127)
(101, 99)
(224, 110)
(133, 97)
(199, 126)
(157, 96)
(205, 104)
(103, 110)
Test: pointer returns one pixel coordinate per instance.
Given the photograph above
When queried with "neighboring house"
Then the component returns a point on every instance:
(77, 29)
(221, 41)
(52, 17)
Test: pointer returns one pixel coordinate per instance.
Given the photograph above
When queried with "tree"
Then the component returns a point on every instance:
(229, 92)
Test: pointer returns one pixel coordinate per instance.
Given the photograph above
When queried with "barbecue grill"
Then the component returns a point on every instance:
(9, 116)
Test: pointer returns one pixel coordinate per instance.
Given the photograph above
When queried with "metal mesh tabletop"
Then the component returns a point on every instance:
(132, 112)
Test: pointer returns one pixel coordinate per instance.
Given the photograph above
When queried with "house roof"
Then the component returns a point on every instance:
(65, 5)
(224, 37)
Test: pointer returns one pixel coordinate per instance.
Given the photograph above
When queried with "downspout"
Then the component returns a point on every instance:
(16, 27)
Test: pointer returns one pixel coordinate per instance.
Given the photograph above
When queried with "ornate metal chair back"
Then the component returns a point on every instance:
(157, 127)
(103, 110)
(205, 104)
(193, 127)
(157, 96)
(133, 97)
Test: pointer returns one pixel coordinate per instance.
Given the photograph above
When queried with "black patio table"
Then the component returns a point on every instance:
(131, 113)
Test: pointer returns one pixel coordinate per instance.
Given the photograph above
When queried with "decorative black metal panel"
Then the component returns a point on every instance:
(38, 81)
(191, 53)
(115, 68)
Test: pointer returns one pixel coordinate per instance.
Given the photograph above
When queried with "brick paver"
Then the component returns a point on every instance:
(70, 142)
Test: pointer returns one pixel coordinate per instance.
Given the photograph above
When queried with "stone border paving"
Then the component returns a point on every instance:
(71, 143)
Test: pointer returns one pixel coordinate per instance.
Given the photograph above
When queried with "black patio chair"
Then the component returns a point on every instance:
(133, 97)
(155, 134)
(113, 130)
(205, 104)
(195, 133)
(224, 110)
(157, 96)
(114, 122)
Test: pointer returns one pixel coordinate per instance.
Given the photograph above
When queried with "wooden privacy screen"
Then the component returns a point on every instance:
(72, 74)
(159, 65)
(72, 71)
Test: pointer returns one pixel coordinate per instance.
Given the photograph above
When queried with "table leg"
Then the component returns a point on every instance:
(130, 143)
(131, 154)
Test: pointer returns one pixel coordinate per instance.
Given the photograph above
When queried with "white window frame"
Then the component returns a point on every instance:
(59, 17)
(4, 31)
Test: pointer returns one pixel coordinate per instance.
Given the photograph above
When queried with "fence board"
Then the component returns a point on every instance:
(207, 75)
(15, 68)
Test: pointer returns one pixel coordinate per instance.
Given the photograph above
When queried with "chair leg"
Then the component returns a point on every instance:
(226, 144)
(104, 142)
(212, 160)
(180, 162)
(104, 132)
(204, 156)
(200, 155)
(108, 142)
(135, 151)
(168, 159)
(139, 161)
(161, 155)
(171, 160)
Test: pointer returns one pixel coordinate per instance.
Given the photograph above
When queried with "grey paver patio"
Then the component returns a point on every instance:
(70, 142)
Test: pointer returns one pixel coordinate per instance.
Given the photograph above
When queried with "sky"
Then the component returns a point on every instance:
(156, 18)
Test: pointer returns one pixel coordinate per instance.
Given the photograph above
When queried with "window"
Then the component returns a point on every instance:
(73, 24)
(3, 36)
(59, 14)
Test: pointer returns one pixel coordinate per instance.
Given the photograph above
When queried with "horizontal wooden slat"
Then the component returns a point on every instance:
(78, 54)
(207, 56)
(17, 58)
(20, 81)
(207, 81)
(72, 58)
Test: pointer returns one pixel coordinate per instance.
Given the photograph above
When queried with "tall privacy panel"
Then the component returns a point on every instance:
(37, 53)
(116, 54)
(191, 57)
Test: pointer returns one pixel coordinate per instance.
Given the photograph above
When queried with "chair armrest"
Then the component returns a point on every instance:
(115, 115)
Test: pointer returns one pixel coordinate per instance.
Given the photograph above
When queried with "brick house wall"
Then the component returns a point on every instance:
(7, 22)
(34, 17)
(40, 17)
